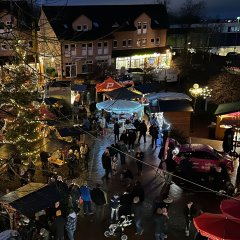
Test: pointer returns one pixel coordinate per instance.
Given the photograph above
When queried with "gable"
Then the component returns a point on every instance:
(82, 21)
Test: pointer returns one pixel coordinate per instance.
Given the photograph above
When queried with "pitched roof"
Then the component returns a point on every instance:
(226, 108)
(107, 19)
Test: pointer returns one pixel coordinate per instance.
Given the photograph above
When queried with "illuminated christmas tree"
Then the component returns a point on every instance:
(17, 96)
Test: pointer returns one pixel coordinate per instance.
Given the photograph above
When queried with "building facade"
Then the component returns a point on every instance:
(76, 39)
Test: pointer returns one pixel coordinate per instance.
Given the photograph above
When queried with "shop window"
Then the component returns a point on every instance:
(139, 28)
(144, 28)
(124, 43)
(157, 42)
(70, 70)
(115, 43)
(129, 42)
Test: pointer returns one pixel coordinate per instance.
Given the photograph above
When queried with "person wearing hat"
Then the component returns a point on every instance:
(58, 225)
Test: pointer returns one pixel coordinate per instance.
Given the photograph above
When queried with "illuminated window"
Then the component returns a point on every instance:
(105, 47)
(139, 28)
(144, 42)
(144, 28)
(100, 49)
(139, 43)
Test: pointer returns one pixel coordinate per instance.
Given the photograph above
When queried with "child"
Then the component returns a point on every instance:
(114, 165)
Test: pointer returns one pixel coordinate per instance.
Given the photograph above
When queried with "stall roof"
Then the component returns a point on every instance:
(79, 87)
(32, 198)
(108, 85)
(70, 131)
(123, 93)
(148, 88)
(172, 106)
(168, 96)
(226, 108)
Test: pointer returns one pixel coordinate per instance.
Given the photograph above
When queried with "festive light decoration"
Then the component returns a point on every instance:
(195, 91)
(206, 92)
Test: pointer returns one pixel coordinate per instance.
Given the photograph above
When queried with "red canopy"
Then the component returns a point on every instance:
(231, 207)
(46, 114)
(108, 85)
(218, 226)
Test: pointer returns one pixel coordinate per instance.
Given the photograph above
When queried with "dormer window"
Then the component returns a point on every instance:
(85, 27)
(79, 28)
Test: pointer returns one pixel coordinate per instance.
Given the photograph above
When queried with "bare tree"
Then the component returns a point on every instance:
(225, 88)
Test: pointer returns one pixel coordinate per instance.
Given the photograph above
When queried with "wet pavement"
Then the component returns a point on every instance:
(90, 229)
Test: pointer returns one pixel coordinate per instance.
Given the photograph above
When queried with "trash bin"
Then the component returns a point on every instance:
(211, 130)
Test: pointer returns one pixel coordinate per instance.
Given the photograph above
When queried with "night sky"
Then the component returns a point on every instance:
(215, 8)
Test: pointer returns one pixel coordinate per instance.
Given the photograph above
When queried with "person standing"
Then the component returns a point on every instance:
(160, 224)
(114, 205)
(131, 140)
(138, 191)
(86, 197)
(139, 161)
(116, 131)
(99, 199)
(72, 163)
(44, 159)
(143, 131)
(137, 211)
(75, 195)
(153, 130)
(189, 212)
(122, 152)
(106, 163)
(58, 226)
(86, 152)
(71, 224)
(228, 140)
(124, 137)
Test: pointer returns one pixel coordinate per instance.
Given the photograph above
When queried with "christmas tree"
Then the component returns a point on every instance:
(17, 96)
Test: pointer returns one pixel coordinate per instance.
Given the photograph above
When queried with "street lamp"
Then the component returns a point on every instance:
(195, 92)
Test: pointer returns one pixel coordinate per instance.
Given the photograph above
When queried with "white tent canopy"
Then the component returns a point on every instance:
(120, 106)
(168, 96)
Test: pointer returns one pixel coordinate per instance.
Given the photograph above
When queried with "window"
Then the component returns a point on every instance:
(90, 49)
(73, 49)
(115, 43)
(129, 42)
(79, 28)
(157, 42)
(87, 67)
(99, 46)
(144, 42)
(1, 27)
(139, 28)
(105, 47)
(70, 70)
(9, 24)
(152, 41)
(144, 28)
(3, 46)
(66, 50)
(138, 43)
(84, 49)
(85, 27)
(124, 43)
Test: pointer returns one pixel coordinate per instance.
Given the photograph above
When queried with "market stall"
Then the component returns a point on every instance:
(28, 200)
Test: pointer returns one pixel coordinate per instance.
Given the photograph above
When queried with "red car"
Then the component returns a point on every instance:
(203, 157)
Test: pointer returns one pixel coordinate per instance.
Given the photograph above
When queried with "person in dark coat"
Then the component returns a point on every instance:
(160, 224)
(124, 137)
(126, 176)
(58, 226)
(143, 131)
(154, 132)
(99, 199)
(72, 163)
(122, 152)
(106, 163)
(137, 211)
(139, 156)
(126, 203)
(44, 159)
(75, 195)
(189, 212)
(131, 140)
(116, 131)
(228, 140)
(138, 191)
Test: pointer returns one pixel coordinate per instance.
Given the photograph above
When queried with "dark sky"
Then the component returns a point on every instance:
(215, 8)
